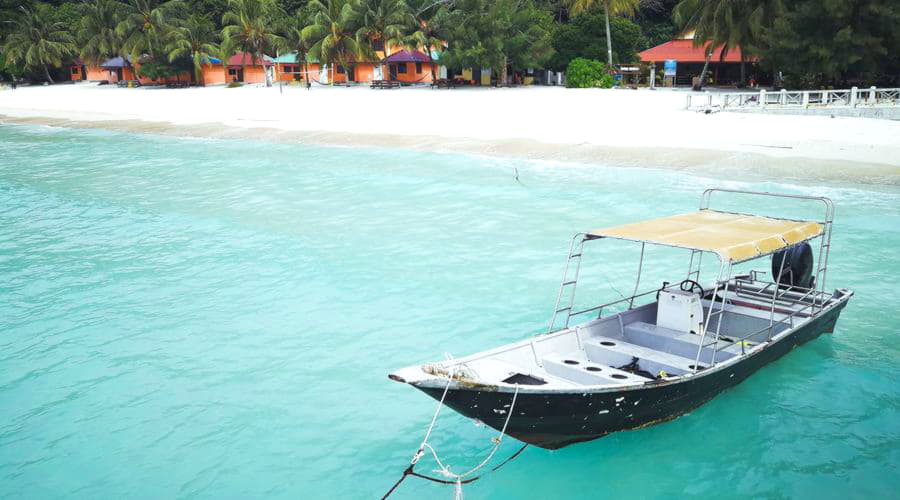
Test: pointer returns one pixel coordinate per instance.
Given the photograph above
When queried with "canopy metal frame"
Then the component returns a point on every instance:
(811, 299)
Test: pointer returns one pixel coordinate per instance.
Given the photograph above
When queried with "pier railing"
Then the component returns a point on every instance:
(847, 98)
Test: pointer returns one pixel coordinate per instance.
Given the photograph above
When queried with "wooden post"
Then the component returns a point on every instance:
(872, 99)
(782, 99)
(708, 100)
(805, 98)
(853, 95)
(825, 98)
(762, 98)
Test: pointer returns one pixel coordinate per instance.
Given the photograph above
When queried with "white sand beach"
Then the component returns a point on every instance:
(615, 127)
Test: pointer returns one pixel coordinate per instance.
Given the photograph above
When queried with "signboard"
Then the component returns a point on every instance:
(669, 67)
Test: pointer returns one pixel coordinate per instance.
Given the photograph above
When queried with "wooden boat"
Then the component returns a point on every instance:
(652, 362)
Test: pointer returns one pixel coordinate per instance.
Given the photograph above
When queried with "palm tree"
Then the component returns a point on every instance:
(331, 35)
(194, 37)
(144, 24)
(292, 38)
(726, 23)
(37, 40)
(97, 30)
(384, 23)
(425, 36)
(610, 8)
(251, 27)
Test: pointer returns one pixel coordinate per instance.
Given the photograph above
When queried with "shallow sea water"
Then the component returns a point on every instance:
(184, 318)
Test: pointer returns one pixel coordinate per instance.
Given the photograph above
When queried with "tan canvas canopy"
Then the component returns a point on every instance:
(734, 237)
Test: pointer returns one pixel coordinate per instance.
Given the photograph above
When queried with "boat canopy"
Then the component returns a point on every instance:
(734, 237)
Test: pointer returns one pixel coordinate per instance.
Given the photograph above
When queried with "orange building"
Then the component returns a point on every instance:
(409, 66)
(242, 68)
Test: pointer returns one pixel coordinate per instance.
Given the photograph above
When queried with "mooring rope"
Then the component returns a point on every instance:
(456, 479)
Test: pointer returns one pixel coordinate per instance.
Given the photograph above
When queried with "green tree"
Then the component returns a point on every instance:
(195, 38)
(585, 37)
(728, 24)
(251, 27)
(292, 37)
(494, 34)
(382, 23)
(835, 42)
(610, 8)
(144, 24)
(332, 34)
(37, 41)
(97, 34)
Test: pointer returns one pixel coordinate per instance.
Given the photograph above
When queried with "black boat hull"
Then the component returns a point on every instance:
(555, 420)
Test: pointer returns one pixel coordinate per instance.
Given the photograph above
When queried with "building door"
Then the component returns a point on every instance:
(118, 74)
(351, 73)
(393, 71)
(240, 75)
(476, 75)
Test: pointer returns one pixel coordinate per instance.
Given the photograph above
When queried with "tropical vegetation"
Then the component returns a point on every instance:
(809, 42)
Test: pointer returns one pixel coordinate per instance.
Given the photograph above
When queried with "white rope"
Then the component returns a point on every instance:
(421, 450)
(445, 470)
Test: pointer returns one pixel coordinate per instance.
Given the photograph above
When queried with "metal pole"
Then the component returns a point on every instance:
(775, 293)
(709, 315)
(721, 314)
(638, 281)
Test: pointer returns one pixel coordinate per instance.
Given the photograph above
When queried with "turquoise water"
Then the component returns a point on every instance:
(216, 319)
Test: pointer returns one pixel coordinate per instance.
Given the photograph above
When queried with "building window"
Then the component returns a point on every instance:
(75, 70)
(418, 67)
(340, 69)
(401, 68)
(378, 44)
(232, 72)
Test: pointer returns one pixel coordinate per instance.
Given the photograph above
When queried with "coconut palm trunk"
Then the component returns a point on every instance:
(705, 69)
(608, 36)
(47, 75)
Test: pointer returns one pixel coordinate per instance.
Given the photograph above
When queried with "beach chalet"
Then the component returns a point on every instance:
(724, 67)
(242, 68)
(409, 66)
(287, 69)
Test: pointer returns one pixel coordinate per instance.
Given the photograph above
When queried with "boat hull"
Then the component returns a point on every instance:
(555, 420)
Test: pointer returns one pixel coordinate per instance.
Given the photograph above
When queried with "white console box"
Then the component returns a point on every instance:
(680, 311)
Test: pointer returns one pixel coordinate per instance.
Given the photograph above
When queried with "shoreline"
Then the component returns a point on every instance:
(706, 162)
(618, 128)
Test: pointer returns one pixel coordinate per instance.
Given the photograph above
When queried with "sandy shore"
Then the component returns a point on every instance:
(614, 127)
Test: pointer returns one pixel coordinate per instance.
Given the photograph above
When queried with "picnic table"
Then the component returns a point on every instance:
(385, 84)
(443, 83)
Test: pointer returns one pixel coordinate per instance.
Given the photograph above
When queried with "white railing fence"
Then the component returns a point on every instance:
(850, 98)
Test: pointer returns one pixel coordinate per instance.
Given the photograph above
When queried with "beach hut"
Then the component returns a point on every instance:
(409, 66)
(242, 68)
(287, 69)
(118, 69)
(724, 66)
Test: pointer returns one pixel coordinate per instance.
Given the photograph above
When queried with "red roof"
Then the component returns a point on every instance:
(684, 51)
(240, 58)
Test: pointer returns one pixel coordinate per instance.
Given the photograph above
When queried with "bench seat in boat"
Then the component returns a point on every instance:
(576, 367)
(674, 342)
(617, 352)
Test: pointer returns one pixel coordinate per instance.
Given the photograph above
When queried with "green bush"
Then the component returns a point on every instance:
(587, 73)
(232, 85)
